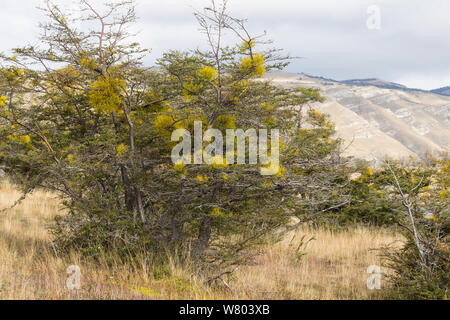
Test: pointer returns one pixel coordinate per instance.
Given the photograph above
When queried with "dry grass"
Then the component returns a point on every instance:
(333, 267)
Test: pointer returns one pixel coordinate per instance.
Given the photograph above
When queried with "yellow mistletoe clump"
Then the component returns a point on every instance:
(87, 62)
(26, 139)
(106, 94)
(217, 212)
(201, 178)
(3, 100)
(179, 166)
(14, 74)
(207, 73)
(20, 139)
(224, 122)
(254, 65)
(446, 167)
(246, 46)
(120, 149)
(164, 123)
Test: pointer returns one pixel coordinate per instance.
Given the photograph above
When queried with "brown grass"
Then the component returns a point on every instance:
(333, 266)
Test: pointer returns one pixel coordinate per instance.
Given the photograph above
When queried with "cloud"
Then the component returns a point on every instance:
(411, 47)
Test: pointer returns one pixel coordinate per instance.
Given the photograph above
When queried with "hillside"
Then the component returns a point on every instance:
(444, 91)
(378, 118)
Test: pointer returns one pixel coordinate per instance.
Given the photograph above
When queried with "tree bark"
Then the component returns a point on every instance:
(203, 236)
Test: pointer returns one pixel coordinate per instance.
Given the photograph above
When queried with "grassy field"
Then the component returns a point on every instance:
(333, 266)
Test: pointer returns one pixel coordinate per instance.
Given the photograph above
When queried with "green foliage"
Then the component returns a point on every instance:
(421, 265)
(411, 281)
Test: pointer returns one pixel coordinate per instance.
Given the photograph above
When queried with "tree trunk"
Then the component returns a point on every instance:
(176, 229)
(129, 201)
(203, 237)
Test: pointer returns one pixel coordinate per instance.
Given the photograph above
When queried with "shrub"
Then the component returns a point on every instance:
(99, 127)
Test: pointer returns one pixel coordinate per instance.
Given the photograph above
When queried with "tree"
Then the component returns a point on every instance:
(421, 195)
(86, 119)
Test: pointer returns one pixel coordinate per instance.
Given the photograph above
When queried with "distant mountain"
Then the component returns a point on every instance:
(376, 118)
(444, 91)
(375, 83)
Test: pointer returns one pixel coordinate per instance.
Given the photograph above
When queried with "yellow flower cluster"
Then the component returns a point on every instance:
(446, 167)
(254, 65)
(120, 149)
(106, 94)
(165, 124)
(217, 212)
(168, 121)
(201, 178)
(26, 139)
(14, 73)
(3, 100)
(179, 166)
(20, 139)
(87, 62)
(247, 45)
(207, 73)
(226, 122)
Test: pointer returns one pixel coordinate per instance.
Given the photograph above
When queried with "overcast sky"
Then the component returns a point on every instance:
(411, 47)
